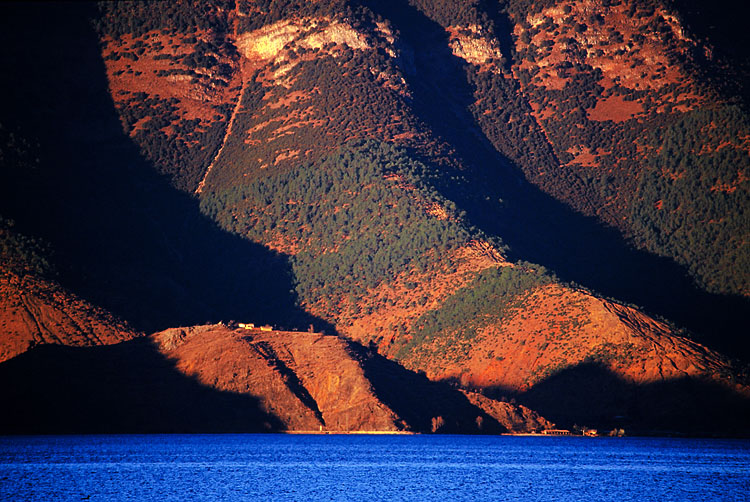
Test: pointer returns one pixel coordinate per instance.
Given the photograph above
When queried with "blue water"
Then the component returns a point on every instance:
(355, 467)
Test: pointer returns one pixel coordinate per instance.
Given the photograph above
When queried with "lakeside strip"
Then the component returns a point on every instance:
(380, 433)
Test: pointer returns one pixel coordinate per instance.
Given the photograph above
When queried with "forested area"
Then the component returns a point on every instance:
(616, 169)
(340, 98)
(355, 219)
(546, 132)
(687, 198)
(185, 41)
(347, 96)
(135, 18)
(186, 149)
(428, 181)
(358, 219)
(687, 201)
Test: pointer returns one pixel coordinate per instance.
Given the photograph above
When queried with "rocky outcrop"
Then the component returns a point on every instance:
(514, 417)
(268, 42)
(309, 381)
(470, 44)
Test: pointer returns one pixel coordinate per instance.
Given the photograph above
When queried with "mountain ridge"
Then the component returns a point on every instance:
(376, 182)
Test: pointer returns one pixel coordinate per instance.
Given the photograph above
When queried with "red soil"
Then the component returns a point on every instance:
(615, 108)
(36, 311)
(396, 305)
(556, 328)
(314, 382)
(308, 380)
(583, 156)
(196, 99)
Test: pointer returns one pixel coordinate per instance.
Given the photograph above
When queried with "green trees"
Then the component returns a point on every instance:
(135, 18)
(177, 147)
(356, 218)
(486, 299)
(182, 155)
(692, 202)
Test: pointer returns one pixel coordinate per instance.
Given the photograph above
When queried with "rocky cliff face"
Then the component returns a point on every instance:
(308, 380)
(315, 382)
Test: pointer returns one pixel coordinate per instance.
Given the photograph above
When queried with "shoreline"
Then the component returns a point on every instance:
(378, 433)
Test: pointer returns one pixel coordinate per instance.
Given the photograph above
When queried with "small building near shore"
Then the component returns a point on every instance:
(556, 432)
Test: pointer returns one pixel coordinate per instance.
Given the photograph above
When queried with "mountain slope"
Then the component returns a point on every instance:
(372, 230)
(213, 378)
(35, 309)
(413, 176)
(308, 380)
(643, 141)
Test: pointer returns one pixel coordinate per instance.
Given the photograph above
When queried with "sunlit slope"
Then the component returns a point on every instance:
(213, 378)
(388, 173)
(397, 245)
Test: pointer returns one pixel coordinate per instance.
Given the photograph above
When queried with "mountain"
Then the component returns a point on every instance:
(219, 379)
(37, 310)
(538, 201)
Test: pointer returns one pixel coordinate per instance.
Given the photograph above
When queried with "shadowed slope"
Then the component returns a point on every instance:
(124, 239)
(309, 380)
(37, 311)
(535, 226)
(429, 406)
(213, 378)
(129, 387)
(590, 394)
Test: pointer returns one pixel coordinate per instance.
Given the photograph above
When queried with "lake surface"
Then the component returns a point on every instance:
(364, 467)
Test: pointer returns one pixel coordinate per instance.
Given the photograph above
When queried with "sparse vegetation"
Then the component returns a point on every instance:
(485, 300)
(23, 254)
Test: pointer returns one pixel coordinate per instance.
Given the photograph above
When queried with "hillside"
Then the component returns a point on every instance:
(214, 378)
(642, 138)
(509, 198)
(36, 310)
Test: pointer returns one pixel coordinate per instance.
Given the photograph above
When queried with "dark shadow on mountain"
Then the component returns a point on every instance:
(726, 63)
(591, 395)
(123, 237)
(290, 378)
(424, 405)
(537, 227)
(125, 388)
